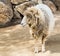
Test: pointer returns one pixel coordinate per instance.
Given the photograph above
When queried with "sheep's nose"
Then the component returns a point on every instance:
(22, 24)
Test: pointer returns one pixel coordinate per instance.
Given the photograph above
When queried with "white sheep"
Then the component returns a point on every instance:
(41, 22)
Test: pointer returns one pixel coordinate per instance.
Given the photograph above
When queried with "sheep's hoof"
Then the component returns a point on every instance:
(36, 50)
(43, 50)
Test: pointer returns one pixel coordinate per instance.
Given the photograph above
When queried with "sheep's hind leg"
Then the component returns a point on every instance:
(43, 42)
(43, 46)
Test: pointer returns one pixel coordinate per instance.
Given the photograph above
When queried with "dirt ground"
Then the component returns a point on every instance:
(16, 41)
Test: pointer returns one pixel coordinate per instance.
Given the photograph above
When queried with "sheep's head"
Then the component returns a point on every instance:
(31, 17)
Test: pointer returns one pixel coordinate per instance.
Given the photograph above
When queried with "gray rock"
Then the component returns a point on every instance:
(22, 7)
(57, 3)
(6, 12)
(51, 5)
(18, 1)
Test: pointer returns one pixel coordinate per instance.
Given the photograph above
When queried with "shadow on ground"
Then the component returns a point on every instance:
(53, 43)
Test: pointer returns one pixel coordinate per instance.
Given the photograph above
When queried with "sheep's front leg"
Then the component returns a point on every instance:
(37, 46)
(36, 50)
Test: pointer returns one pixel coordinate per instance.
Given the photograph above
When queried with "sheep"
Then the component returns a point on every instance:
(41, 21)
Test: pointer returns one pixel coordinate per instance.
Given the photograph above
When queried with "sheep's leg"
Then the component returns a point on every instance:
(37, 43)
(43, 42)
(43, 46)
(37, 46)
(36, 50)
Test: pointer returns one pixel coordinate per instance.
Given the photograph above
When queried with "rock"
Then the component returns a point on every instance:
(18, 1)
(57, 3)
(22, 7)
(18, 11)
(37, 1)
(6, 12)
(51, 5)
(17, 18)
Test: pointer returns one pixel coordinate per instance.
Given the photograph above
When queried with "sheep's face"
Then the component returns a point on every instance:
(31, 17)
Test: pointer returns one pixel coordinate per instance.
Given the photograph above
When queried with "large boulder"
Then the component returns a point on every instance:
(6, 12)
(37, 1)
(51, 5)
(22, 7)
(57, 3)
(18, 1)
(18, 11)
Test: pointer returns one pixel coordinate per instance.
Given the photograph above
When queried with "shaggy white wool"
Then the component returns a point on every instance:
(48, 15)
